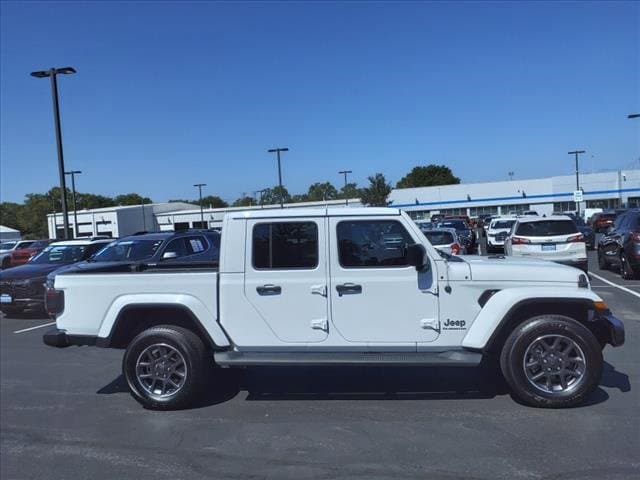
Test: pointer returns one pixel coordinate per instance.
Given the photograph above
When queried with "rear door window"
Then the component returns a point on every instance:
(439, 238)
(547, 228)
(285, 245)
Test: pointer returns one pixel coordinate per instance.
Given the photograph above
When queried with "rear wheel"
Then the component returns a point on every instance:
(551, 361)
(166, 367)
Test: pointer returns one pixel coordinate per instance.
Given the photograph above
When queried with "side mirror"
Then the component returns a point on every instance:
(415, 255)
(169, 255)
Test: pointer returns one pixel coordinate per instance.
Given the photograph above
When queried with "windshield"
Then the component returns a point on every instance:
(439, 238)
(60, 254)
(7, 245)
(128, 250)
(457, 224)
(547, 228)
(503, 224)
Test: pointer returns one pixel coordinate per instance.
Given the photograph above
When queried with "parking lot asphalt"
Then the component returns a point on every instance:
(66, 413)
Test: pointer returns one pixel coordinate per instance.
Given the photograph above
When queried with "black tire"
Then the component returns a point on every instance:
(527, 334)
(626, 270)
(602, 262)
(198, 366)
(6, 263)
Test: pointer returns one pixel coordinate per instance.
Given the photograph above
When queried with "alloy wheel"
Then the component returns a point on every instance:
(161, 370)
(554, 364)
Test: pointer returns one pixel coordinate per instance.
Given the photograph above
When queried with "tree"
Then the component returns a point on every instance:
(244, 201)
(428, 176)
(9, 214)
(322, 191)
(375, 195)
(212, 201)
(271, 196)
(350, 190)
(299, 197)
(131, 199)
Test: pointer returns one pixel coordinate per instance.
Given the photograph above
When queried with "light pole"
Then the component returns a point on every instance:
(278, 150)
(345, 173)
(511, 176)
(261, 192)
(200, 185)
(576, 153)
(73, 174)
(52, 73)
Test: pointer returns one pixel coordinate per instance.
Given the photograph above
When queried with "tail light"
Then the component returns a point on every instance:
(54, 301)
(519, 241)
(455, 249)
(576, 238)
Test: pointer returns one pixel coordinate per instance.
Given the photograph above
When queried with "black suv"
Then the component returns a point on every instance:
(620, 247)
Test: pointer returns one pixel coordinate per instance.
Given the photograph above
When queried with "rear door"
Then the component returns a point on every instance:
(286, 276)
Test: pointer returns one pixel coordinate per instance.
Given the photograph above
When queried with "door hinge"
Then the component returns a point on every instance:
(319, 324)
(430, 324)
(319, 290)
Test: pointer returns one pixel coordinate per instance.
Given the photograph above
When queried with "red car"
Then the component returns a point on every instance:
(22, 255)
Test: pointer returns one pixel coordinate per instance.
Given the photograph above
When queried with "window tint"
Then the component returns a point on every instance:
(503, 223)
(439, 238)
(196, 245)
(547, 228)
(457, 224)
(285, 245)
(373, 243)
(60, 254)
(177, 246)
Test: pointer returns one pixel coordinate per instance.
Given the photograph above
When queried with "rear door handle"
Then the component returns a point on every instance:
(269, 289)
(348, 289)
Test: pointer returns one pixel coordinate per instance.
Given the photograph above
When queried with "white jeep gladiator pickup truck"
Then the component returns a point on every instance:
(344, 286)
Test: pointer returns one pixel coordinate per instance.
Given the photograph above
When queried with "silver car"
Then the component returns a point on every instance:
(445, 240)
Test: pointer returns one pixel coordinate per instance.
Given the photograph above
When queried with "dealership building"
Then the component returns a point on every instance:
(604, 190)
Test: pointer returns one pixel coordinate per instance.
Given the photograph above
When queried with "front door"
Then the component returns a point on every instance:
(286, 277)
(376, 297)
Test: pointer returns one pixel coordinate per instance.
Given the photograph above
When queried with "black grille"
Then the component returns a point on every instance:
(22, 290)
(501, 236)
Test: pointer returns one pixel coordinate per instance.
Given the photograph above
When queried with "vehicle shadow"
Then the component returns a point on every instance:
(365, 383)
(370, 383)
(27, 315)
(614, 379)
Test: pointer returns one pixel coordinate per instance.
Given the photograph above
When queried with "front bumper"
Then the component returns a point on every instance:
(60, 339)
(615, 327)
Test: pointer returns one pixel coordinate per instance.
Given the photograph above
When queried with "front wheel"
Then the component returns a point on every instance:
(551, 361)
(166, 367)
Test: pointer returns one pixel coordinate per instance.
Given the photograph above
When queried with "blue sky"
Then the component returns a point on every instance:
(171, 94)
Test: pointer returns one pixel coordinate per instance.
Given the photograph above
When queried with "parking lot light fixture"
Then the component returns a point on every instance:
(73, 174)
(633, 115)
(200, 185)
(345, 173)
(576, 153)
(277, 151)
(53, 73)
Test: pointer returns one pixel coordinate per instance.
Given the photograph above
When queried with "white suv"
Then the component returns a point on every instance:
(554, 238)
(498, 231)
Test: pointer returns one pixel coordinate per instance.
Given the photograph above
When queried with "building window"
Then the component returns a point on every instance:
(604, 204)
(477, 211)
(454, 211)
(419, 214)
(372, 243)
(181, 226)
(559, 207)
(204, 224)
(280, 245)
(517, 209)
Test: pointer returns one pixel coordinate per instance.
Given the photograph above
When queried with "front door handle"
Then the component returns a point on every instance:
(269, 289)
(348, 289)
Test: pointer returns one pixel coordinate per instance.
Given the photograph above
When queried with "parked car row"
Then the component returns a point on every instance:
(19, 252)
(23, 287)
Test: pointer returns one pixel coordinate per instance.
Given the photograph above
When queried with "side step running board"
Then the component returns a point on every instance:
(453, 358)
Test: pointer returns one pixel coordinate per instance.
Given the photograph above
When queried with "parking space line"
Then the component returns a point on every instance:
(33, 328)
(624, 289)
